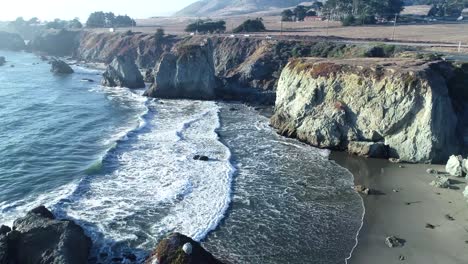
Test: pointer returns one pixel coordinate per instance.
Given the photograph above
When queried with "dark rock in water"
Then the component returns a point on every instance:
(4, 230)
(11, 41)
(44, 58)
(87, 80)
(2, 60)
(178, 248)
(40, 238)
(202, 158)
(123, 72)
(61, 67)
(232, 109)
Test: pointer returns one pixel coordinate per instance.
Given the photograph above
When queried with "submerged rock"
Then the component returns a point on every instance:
(40, 238)
(201, 158)
(2, 60)
(174, 249)
(187, 72)
(404, 103)
(454, 166)
(123, 72)
(61, 67)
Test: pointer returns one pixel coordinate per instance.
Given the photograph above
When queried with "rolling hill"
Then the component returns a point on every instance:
(234, 7)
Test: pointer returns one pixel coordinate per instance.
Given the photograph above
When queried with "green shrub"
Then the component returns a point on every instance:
(348, 20)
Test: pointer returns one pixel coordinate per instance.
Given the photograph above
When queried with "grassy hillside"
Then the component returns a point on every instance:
(233, 7)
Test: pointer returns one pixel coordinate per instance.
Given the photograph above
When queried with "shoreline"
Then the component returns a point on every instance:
(433, 222)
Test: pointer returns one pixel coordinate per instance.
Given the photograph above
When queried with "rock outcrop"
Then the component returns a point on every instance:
(123, 72)
(145, 49)
(454, 166)
(60, 67)
(180, 249)
(2, 60)
(403, 103)
(40, 238)
(187, 72)
(11, 41)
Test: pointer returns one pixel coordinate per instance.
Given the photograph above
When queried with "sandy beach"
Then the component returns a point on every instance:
(433, 222)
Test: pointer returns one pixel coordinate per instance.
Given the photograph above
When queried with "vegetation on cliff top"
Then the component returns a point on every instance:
(206, 26)
(250, 25)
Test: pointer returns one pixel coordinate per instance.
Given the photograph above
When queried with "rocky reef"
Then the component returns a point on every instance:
(11, 41)
(187, 72)
(40, 238)
(404, 104)
(123, 72)
(180, 249)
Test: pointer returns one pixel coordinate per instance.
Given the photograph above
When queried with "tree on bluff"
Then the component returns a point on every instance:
(206, 26)
(101, 20)
(251, 25)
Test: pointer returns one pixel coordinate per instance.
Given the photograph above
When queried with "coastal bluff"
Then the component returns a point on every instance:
(405, 104)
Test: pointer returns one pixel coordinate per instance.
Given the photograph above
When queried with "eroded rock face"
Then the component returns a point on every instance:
(175, 250)
(11, 41)
(40, 238)
(123, 72)
(187, 72)
(61, 67)
(403, 103)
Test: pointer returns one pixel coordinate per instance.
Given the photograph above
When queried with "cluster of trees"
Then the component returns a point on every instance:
(102, 20)
(64, 24)
(441, 8)
(250, 25)
(300, 12)
(207, 26)
(361, 11)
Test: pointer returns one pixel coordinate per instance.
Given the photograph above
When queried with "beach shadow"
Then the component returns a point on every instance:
(376, 192)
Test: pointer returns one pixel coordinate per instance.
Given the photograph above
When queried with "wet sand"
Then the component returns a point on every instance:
(403, 205)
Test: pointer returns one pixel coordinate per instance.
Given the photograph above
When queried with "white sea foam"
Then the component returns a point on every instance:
(155, 186)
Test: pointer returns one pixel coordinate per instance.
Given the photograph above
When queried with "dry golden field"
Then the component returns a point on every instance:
(439, 33)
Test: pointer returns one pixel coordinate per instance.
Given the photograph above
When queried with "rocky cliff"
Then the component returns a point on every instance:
(402, 103)
(144, 49)
(186, 72)
(11, 41)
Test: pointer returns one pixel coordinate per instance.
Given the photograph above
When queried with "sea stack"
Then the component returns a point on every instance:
(187, 72)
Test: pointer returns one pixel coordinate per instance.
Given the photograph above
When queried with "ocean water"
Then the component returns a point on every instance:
(121, 165)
